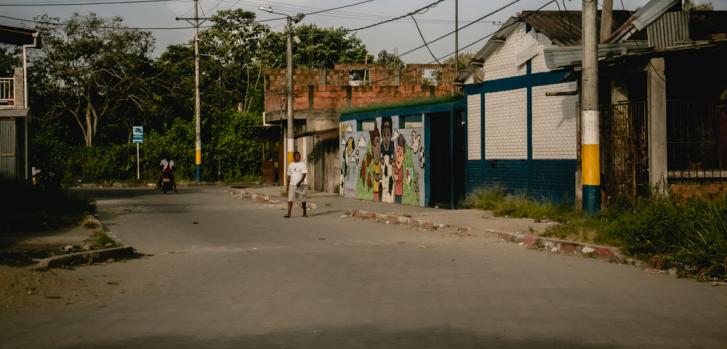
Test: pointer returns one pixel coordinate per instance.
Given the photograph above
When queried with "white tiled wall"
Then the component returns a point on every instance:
(506, 125)
(501, 63)
(554, 122)
(539, 60)
(474, 127)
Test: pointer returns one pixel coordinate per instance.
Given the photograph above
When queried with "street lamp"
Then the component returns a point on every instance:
(290, 137)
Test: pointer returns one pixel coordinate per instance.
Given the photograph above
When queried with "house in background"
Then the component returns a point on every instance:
(663, 93)
(321, 94)
(14, 149)
(521, 124)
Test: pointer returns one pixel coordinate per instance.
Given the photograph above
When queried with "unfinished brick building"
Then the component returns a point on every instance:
(320, 95)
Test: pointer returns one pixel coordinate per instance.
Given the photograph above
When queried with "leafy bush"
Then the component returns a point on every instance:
(32, 208)
(231, 151)
(668, 232)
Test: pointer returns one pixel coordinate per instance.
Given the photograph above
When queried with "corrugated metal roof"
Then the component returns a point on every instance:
(670, 29)
(646, 15)
(16, 36)
(563, 28)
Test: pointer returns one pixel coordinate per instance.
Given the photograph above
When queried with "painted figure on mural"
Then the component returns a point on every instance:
(387, 160)
(399, 169)
(376, 150)
(347, 158)
(387, 131)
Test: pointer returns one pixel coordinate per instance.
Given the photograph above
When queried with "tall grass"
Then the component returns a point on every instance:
(688, 234)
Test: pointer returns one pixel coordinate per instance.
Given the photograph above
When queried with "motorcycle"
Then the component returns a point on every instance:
(166, 183)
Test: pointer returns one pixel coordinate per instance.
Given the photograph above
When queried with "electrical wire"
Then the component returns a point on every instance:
(424, 40)
(419, 10)
(470, 44)
(118, 2)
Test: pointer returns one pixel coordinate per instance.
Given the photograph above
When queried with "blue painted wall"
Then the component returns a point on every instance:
(552, 180)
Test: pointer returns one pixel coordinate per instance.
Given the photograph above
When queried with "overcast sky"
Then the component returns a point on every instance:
(401, 35)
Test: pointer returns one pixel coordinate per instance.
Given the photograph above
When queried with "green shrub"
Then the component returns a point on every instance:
(704, 247)
(32, 208)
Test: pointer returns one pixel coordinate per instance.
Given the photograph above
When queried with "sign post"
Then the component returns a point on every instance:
(137, 137)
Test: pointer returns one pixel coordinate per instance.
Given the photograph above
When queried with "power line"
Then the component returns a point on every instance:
(118, 2)
(465, 26)
(420, 10)
(99, 27)
(337, 8)
(421, 35)
(470, 44)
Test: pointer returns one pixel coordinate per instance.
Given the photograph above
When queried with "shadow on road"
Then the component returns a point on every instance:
(125, 193)
(349, 337)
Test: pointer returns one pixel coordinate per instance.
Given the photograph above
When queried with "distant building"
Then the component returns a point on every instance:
(320, 95)
(14, 148)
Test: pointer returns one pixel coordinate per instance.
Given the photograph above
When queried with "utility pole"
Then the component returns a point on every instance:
(590, 157)
(290, 134)
(196, 21)
(606, 19)
(456, 38)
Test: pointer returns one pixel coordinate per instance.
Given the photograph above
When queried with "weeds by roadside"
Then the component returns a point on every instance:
(668, 233)
(32, 208)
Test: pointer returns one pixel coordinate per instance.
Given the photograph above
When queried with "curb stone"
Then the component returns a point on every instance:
(123, 251)
(551, 245)
(239, 194)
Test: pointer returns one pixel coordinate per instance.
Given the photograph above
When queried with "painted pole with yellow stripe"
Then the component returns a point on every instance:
(590, 157)
(590, 162)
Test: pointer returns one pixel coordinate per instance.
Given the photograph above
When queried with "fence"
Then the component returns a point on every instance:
(624, 154)
(7, 100)
(697, 140)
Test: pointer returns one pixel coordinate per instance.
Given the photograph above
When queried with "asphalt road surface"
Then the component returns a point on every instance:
(226, 273)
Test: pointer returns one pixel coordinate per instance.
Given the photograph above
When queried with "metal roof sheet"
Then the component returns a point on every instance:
(16, 36)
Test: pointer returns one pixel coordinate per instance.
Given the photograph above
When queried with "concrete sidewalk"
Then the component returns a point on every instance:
(327, 202)
(524, 231)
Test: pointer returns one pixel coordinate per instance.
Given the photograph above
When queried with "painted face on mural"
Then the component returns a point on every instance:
(400, 147)
(349, 146)
(375, 144)
(386, 133)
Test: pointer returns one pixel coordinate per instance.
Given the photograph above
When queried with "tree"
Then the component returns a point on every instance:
(464, 60)
(389, 60)
(90, 68)
(8, 61)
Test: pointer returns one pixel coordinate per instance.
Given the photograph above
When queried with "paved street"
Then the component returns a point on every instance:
(225, 273)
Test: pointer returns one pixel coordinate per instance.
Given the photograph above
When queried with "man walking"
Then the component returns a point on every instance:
(297, 184)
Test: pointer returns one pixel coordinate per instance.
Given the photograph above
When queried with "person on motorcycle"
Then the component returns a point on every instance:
(167, 172)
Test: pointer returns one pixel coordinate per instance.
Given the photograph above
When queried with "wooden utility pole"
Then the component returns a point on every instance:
(590, 157)
(196, 21)
(606, 19)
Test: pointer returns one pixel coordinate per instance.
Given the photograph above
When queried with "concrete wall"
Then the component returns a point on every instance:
(528, 139)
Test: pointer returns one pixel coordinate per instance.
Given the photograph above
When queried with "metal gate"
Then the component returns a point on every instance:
(624, 150)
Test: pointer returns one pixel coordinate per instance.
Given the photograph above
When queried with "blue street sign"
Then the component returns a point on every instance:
(137, 135)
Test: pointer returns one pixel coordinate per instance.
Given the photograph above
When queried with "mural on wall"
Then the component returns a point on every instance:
(382, 163)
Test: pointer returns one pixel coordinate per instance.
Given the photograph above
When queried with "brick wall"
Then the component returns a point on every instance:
(329, 89)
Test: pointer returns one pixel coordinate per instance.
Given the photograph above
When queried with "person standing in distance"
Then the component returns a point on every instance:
(297, 185)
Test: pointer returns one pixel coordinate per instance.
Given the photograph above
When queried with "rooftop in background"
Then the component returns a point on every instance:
(17, 36)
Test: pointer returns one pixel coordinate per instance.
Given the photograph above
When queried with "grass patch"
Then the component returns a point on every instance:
(497, 200)
(27, 208)
(102, 240)
(690, 235)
